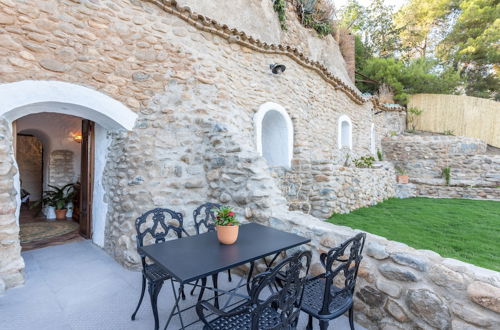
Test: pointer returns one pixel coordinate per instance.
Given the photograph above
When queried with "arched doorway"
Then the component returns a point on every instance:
(28, 98)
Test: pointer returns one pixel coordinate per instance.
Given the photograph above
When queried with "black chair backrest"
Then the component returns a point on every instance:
(163, 221)
(286, 300)
(204, 216)
(336, 262)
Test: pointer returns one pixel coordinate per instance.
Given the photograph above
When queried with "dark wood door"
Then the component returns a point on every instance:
(87, 178)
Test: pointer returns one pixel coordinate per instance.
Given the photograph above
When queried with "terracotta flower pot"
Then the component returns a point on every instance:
(402, 179)
(227, 234)
(61, 214)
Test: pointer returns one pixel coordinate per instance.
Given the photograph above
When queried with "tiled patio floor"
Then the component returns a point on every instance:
(78, 286)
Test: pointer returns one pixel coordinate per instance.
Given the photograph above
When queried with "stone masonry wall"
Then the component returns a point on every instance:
(474, 173)
(61, 170)
(196, 92)
(11, 263)
(29, 160)
(322, 188)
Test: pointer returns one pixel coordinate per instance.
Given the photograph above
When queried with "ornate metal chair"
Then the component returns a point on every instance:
(322, 298)
(163, 223)
(275, 309)
(204, 221)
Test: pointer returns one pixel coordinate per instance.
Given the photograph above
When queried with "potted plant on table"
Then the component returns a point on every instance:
(226, 225)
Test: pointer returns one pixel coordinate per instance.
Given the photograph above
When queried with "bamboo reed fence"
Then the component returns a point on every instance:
(461, 115)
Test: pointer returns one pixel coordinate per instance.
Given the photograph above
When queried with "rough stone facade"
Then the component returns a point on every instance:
(11, 263)
(322, 188)
(475, 173)
(61, 170)
(196, 87)
(29, 160)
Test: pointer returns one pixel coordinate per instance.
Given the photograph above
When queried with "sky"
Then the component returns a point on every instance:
(396, 3)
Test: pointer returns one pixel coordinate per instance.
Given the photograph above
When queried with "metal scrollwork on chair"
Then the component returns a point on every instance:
(278, 310)
(204, 216)
(164, 222)
(322, 298)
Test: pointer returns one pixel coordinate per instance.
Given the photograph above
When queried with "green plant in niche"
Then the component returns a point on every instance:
(379, 155)
(364, 162)
(446, 174)
(280, 8)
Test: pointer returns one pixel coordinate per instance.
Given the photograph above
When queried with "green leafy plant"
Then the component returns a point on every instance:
(364, 162)
(379, 155)
(57, 197)
(448, 132)
(225, 216)
(413, 114)
(280, 8)
(316, 14)
(446, 174)
(346, 161)
(401, 171)
(393, 133)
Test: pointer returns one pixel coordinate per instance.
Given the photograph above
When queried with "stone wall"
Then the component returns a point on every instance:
(475, 173)
(321, 188)
(11, 263)
(30, 162)
(61, 166)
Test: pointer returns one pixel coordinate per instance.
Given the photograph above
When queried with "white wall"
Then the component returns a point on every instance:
(54, 130)
(275, 139)
(99, 206)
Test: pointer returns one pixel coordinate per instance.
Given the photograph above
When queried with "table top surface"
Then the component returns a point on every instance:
(194, 257)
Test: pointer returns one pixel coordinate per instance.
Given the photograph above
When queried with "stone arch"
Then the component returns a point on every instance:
(274, 134)
(344, 132)
(25, 97)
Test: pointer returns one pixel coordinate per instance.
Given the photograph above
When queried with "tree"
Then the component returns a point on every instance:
(380, 33)
(472, 46)
(422, 24)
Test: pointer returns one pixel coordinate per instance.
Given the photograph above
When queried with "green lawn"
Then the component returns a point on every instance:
(467, 230)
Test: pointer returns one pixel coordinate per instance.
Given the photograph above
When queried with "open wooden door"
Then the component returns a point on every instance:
(87, 178)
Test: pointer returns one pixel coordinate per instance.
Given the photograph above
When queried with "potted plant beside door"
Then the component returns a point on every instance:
(56, 200)
(226, 225)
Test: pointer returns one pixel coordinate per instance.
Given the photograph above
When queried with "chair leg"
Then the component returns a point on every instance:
(309, 323)
(142, 296)
(351, 318)
(154, 289)
(203, 285)
(323, 324)
(216, 294)
(183, 295)
(229, 275)
(194, 287)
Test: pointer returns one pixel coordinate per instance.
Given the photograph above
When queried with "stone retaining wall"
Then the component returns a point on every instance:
(474, 173)
(61, 170)
(322, 189)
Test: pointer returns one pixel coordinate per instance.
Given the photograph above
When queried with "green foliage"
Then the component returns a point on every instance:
(416, 76)
(467, 230)
(312, 16)
(393, 133)
(401, 171)
(225, 216)
(412, 116)
(446, 174)
(379, 155)
(364, 162)
(57, 197)
(280, 8)
(448, 132)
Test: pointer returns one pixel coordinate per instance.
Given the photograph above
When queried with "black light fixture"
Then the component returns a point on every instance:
(277, 68)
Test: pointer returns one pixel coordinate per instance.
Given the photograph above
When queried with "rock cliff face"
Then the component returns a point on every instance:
(258, 19)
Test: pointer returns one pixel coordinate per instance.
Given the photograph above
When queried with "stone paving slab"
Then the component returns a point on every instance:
(78, 286)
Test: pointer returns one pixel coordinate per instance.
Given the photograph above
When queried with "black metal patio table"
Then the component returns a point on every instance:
(196, 257)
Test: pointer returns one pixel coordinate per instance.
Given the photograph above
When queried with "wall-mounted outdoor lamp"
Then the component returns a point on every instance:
(277, 68)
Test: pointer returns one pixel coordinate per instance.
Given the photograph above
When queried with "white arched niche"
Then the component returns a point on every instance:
(373, 139)
(274, 134)
(344, 132)
(28, 97)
